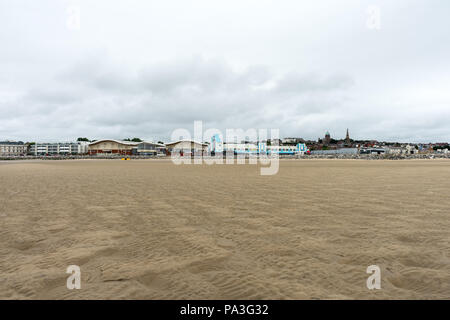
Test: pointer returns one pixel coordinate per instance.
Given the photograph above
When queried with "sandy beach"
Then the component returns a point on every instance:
(148, 229)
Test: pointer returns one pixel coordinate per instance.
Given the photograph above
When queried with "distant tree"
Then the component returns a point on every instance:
(83, 139)
(441, 147)
(133, 140)
(325, 148)
(160, 142)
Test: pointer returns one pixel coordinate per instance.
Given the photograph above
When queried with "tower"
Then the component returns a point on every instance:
(327, 139)
(347, 139)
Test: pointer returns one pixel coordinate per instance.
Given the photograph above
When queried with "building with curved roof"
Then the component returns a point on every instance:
(111, 146)
(186, 146)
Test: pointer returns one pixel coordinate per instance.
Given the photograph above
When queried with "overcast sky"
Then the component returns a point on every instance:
(144, 68)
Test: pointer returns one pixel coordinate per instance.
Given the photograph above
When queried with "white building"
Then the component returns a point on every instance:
(13, 148)
(411, 150)
(241, 147)
(395, 150)
(444, 151)
(262, 147)
(59, 148)
(402, 150)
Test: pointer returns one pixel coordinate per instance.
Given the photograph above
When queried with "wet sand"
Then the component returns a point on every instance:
(146, 229)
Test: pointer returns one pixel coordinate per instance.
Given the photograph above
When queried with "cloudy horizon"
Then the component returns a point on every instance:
(143, 69)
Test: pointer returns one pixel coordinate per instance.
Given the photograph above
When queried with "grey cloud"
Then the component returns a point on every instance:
(174, 94)
(297, 82)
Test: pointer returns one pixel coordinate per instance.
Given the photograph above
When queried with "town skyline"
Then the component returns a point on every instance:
(299, 137)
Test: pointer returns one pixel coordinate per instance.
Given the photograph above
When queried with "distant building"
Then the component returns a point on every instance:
(347, 139)
(58, 148)
(13, 148)
(411, 150)
(255, 148)
(444, 151)
(327, 139)
(402, 150)
(186, 147)
(372, 151)
(111, 146)
(239, 147)
(335, 151)
(395, 150)
(292, 140)
(150, 149)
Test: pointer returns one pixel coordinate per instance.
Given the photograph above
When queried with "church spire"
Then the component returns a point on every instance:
(347, 138)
